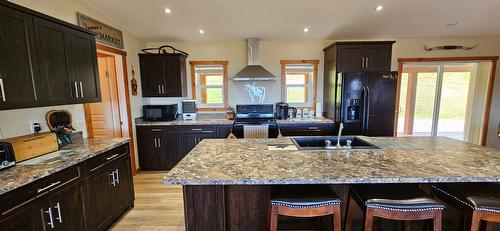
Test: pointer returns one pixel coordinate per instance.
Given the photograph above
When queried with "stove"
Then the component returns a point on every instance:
(255, 114)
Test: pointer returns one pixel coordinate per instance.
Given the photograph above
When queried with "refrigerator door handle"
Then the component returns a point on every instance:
(367, 112)
(363, 120)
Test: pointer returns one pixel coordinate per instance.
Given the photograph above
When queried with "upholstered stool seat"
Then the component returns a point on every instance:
(395, 202)
(305, 201)
(477, 201)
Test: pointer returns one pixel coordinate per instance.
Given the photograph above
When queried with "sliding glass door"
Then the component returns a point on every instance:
(436, 99)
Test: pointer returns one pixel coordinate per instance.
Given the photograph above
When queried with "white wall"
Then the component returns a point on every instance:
(271, 52)
(15, 122)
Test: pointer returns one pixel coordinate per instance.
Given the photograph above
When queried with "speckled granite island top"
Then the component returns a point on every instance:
(400, 160)
(23, 174)
(141, 122)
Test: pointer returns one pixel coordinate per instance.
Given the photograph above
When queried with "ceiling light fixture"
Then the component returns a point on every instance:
(201, 31)
(454, 23)
(379, 8)
(167, 11)
(306, 30)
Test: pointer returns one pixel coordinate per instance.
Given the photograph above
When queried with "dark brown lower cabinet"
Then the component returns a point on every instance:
(111, 191)
(27, 219)
(70, 200)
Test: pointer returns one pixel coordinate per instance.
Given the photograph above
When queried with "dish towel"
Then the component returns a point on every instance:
(256, 131)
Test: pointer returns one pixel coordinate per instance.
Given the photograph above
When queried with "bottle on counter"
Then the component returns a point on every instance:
(299, 113)
(305, 112)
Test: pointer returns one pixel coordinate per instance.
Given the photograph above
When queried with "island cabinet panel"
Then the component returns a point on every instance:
(19, 86)
(49, 62)
(100, 214)
(223, 131)
(251, 215)
(68, 208)
(30, 218)
(204, 208)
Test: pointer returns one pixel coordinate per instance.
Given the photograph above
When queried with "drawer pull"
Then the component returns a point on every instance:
(111, 157)
(313, 128)
(196, 129)
(207, 131)
(156, 130)
(48, 187)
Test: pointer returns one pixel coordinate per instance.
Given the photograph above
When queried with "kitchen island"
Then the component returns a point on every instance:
(227, 183)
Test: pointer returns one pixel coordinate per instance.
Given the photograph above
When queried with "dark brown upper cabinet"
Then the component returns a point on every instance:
(49, 62)
(19, 82)
(363, 56)
(163, 75)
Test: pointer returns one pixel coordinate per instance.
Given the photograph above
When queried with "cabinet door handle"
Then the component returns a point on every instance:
(362, 63)
(163, 89)
(159, 89)
(159, 143)
(81, 89)
(156, 143)
(2, 88)
(76, 89)
(48, 187)
(59, 216)
(51, 219)
(111, 157)
(117, 176)
(366, 65)
(113, 180)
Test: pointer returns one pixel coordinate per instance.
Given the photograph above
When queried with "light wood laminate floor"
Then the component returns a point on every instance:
(157, 206)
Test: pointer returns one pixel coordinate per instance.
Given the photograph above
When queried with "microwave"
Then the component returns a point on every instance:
(160, 112)
(7, 157)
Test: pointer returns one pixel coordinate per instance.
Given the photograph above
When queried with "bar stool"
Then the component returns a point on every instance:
(395, 202)
(315, 202)
(480, 202)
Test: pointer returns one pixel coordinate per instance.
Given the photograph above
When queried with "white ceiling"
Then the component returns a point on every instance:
(224, 20)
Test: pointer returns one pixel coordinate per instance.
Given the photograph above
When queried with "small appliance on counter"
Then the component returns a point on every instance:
(7, 156)
(189, 111)
(292, 112)
(160, 112)
(282, 110)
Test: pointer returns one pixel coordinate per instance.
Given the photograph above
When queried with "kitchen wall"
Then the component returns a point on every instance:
(15, 122)
(271, 52)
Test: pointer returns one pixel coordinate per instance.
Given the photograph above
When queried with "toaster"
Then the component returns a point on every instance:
(7, 157)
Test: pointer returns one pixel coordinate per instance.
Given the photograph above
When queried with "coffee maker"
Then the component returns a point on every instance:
(282, 110)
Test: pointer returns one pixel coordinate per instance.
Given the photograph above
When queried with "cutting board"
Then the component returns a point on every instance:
(30, 146)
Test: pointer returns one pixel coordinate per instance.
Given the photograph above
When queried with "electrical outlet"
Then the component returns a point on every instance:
(32, 125)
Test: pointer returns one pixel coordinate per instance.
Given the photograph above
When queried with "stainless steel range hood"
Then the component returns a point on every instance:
(254, 71)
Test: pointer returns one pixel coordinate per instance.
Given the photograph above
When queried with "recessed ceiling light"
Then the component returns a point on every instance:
(306, 30)
(379, 8)
(167, 11)
(201, 31)
(454, 23)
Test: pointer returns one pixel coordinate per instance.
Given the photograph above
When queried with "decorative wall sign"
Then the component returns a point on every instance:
(105, 34)
(256, 93)
(450, 47)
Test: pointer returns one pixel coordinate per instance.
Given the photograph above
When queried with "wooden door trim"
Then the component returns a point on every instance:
(225, 77)
(489, 93)
(315, 64)
(123, 54)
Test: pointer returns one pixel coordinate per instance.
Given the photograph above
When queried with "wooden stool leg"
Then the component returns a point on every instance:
(274, 218)
(350, 213)
(368, 220)
(438, 220)
(475, 222)
(337, 218)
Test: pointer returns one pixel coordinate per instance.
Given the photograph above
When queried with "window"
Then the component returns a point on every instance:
(298, 82)
(209, 83)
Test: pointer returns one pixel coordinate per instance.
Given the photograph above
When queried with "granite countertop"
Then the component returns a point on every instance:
(77, 152)
(220, 121)
(400, 160)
